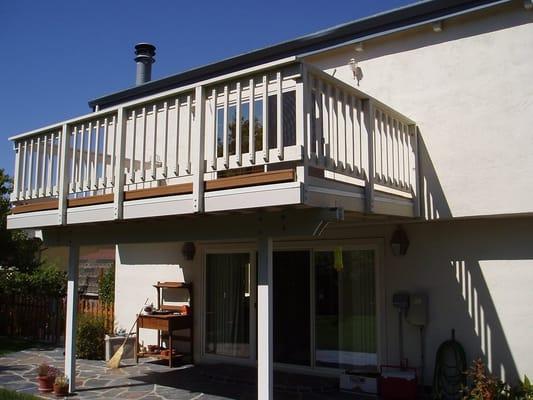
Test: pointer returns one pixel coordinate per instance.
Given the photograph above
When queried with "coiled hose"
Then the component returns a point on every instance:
(450, 367)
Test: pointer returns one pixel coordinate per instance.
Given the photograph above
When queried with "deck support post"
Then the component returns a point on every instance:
(265, 348)
(71, 316)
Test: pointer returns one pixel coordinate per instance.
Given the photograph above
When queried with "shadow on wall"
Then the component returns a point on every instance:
(456, 255)
(433, 203)
(476, 273)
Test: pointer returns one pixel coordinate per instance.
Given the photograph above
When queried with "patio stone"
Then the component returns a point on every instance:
(153, 380)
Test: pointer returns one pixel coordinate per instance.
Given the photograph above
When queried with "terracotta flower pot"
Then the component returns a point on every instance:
(46, 383)
(60, 390)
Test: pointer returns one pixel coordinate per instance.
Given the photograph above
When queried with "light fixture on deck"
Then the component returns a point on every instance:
(188, 250)
(399, 242)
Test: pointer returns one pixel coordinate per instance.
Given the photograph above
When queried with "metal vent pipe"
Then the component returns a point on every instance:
(144, 57)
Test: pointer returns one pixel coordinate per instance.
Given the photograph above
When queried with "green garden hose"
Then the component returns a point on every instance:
(450, 367)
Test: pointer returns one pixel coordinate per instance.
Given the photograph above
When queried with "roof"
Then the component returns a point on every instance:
(382, 23)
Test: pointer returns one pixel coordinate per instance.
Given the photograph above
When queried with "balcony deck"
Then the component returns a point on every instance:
(314, 141)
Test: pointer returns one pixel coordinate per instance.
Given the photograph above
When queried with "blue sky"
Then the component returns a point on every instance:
(56, 55)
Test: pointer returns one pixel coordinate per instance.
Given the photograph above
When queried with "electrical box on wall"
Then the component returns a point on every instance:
(417, 314)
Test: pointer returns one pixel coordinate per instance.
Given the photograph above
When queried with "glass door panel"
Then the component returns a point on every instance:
(228, 304)
(292, 338)
(345, 309)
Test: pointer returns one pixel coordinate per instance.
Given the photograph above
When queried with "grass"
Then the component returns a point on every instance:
(10, 395)
(12, 344)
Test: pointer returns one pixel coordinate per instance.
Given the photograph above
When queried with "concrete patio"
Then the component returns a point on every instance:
(151, 379)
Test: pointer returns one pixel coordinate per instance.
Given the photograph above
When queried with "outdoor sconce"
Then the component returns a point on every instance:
(356, 70)
(188, 250)
(399, 242)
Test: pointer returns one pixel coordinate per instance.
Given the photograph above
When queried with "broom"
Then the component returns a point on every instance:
(114, 362)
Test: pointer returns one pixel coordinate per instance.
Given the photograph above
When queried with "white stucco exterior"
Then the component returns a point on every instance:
(469, 90)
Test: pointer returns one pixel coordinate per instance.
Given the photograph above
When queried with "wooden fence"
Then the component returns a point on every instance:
(42, 318)
(38, 318)
(93, 306)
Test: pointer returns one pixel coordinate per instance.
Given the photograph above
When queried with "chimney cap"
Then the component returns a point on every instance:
(145, 52)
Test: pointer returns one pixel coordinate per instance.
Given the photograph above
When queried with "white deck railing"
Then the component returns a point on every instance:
(280, 112)
(358, 136)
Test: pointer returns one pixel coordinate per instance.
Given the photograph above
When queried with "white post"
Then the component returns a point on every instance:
(265, 348)
(197, 150)
(118, 180)
(71, 317)
(63, 176)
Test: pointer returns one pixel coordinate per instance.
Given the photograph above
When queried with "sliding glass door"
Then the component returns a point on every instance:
(345, 309)
(228, 304)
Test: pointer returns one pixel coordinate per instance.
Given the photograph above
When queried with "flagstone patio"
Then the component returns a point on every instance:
(154, 380)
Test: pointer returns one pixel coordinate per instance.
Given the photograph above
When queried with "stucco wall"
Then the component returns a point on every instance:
(479, 279)
(478, 275)
(469, 89)
(138, 267)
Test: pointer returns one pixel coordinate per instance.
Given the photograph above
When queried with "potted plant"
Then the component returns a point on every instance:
(61, 386)
(46, 376)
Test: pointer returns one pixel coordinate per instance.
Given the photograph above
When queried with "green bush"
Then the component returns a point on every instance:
(11, 395)
(47, 280)
(90, 341)
(106, 287)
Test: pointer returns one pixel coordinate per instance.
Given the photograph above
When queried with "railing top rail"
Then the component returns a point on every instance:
(159, 96)
(361, 95)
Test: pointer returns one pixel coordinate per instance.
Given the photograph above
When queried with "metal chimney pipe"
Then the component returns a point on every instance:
(144, 57)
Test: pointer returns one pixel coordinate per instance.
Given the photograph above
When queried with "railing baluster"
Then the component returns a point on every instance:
(96, 151)
(16, 181)
(48, 186)
(225, 128)
(58, 158)
(133, 140)
(35, 189)
(266, 152)
(30, 170)
(214, 132)
(395, 152)
(320, 99)
(113, 151)
(251, 123)
(80, 168)
(238, 130)
(188, 135)
(73, 164)
(87, 181)
(45, 165)
(143, 146)
(177, 161)
(164, 169)
(104, 154)
(324, 131)
(42, 189)
(154, 144)
(24, 170)
(279, 115)
(406, 172)
(349, 134)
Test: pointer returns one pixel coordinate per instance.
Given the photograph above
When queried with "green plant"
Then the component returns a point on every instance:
(484, 386)
(523, 391)
(106, 287)
(47, 280)
(11, 395)
(46, 370)
(61, 381)
(90, 341)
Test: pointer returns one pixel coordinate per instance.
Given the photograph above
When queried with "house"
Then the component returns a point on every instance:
(389, 156)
